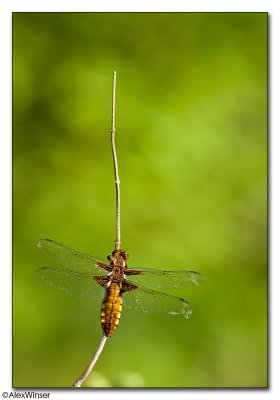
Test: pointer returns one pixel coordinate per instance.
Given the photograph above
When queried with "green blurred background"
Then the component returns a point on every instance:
(192, 146)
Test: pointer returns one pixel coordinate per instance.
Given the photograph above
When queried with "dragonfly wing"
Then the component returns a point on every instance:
(77, 284)
(165, 279)
(71, 258)
(150, 301)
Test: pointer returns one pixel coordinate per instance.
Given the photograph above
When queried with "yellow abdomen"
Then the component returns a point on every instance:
(111, 309)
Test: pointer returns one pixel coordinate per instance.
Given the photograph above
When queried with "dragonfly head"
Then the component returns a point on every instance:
(118, 254)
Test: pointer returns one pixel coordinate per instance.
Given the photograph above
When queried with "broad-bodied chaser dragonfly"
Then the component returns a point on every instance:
(90, 277)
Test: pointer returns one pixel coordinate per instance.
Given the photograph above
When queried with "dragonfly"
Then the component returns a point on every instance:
(116, 284)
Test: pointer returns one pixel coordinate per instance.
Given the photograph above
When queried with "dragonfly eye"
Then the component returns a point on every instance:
(125, 255)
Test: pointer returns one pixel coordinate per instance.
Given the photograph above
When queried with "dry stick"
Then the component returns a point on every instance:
(92, 363)
(117, 179)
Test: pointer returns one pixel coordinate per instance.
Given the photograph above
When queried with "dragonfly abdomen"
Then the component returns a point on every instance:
(111, 309)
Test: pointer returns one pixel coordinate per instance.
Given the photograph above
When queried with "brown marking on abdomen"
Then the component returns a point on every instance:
(111, 309)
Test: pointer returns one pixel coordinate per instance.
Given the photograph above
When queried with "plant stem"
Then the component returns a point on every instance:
(92, 363)
(117, 179)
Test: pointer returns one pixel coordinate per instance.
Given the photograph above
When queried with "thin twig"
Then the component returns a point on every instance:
(117, 179)
(92, 363)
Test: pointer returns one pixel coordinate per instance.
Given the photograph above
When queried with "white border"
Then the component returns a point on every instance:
(138, 5)
(6, 9)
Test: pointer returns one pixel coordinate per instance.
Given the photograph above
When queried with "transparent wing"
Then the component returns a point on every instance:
(74, 283)
(71, 258)
(166, 279)
(150, 301)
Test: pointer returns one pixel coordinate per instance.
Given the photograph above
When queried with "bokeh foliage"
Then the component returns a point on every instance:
(192, 147)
